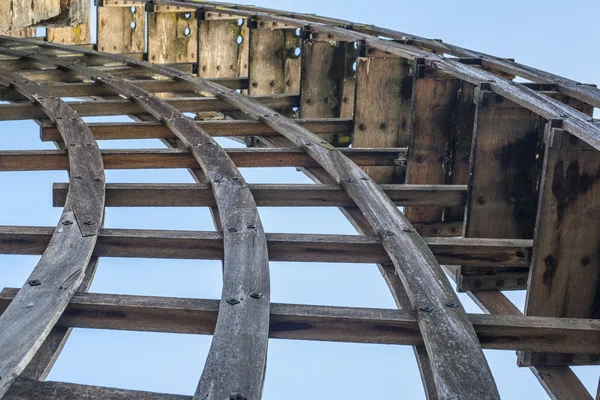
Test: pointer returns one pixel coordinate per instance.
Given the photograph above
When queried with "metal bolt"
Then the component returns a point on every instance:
(389, 233)
(254, 84)
(97, 179)
(309, 102)
(272, 83)
(34, 282)
(250, 226)
(256, 295)
(232, 229)
(237, 396)
(420, 159)
(348, 180)
(586, 260)
(67, 222)
(77, 177)
(236, 178)
(89, 222)
(409, 230)
(452, 305)
(346, 100)
(520, 254)
(233, 301)
(481, 201)
(362, 127)
(426, 308)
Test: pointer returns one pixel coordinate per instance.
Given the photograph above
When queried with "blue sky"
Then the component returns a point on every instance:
(553, 37)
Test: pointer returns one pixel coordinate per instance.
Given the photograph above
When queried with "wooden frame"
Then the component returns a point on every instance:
(483, 162)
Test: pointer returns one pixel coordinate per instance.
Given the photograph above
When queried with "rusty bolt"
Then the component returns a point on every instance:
(346, 100)
(272, 83)
(309, 102)
(362, 127)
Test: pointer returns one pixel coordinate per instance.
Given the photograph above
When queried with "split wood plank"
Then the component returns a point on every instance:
(306, 322)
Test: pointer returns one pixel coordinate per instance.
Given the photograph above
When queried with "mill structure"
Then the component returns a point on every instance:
(461, 171)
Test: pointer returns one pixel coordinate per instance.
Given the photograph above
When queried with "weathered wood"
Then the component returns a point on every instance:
(26, 389)
(220, 54)
(28, 321)
(78, 34)
(17, 14)
(120, 30)
(172, 37)
(225, 128)
(560, 383)
(339, 324)
(504, 176)
(282, 247)
(46, 160)
(385, 217)
(565, 274)
(382, 110)
(20, 111)
(265, 195)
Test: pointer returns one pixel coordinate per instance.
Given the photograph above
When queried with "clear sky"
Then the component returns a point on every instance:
(557, 36)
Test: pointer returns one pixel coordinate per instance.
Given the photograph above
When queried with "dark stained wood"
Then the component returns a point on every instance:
(565, 274)
(432, 133)
(339, 324)
(45, 160)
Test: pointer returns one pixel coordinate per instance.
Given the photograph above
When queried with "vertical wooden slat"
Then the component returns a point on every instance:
(120, 30)
(565, 273)
(172, 37)
(382, 109)
(432, 134)
(505, 164)
(327, 86)
(80, 34)
(219, 53)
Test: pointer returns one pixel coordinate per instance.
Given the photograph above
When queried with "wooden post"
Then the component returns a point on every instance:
(172, 35)
(122, 29)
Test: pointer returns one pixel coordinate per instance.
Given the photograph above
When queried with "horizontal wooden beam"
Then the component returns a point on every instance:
(48, 160)
(21, 111)
(224, 128)
(306, 322)
(200, 195)
(282, 246)
(86, 89)
(25, 389)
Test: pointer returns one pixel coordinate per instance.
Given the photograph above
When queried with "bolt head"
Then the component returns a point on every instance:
(426, 309)
(34, 282)
(233, 301)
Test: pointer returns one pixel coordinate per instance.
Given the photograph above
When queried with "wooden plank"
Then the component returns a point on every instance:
(20, 111)
(172, 37)
(48, 160)
(26, 389)
(282, 247)
(265, 195)
(326, 83)
(504, 174)
(560, 383)
(565, 274)
(79, 34)
(272, 66)
(432, 131)
(120, 30)
(304, 322)
(28, 321)
(224, 128)
(220, 54)
(382, 109)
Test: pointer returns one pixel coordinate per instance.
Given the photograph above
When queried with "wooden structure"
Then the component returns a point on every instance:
(26, 14)
(498, 181)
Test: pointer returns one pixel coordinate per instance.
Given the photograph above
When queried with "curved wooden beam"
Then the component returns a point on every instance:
(237, 358)
(30, 318)
(447, 331)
